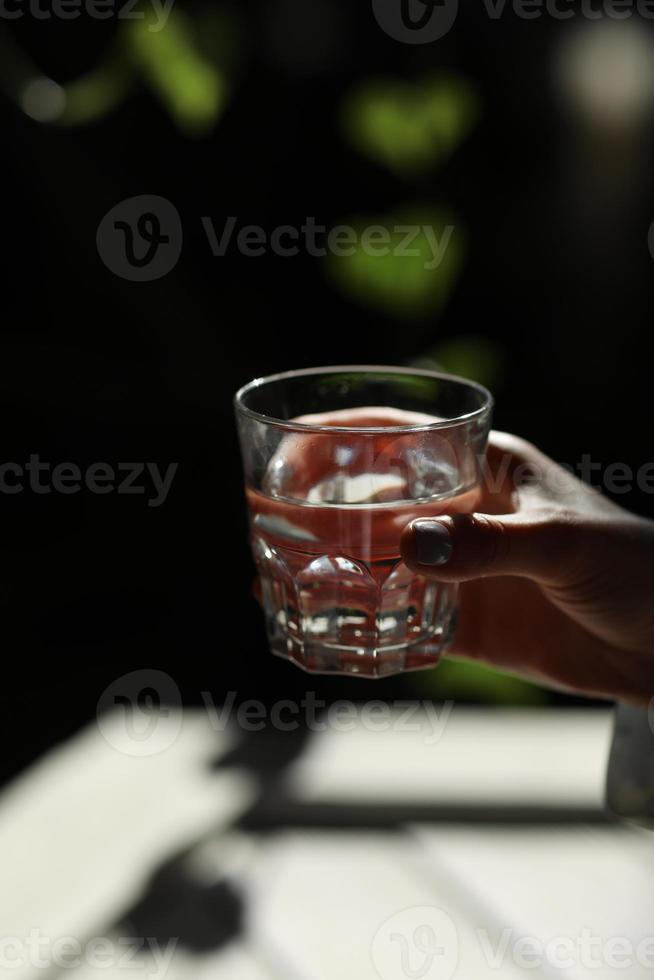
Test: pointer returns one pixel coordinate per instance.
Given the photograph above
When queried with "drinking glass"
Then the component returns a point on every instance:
(337, 461)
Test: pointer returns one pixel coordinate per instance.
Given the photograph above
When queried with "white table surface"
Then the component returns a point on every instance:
(84, 829)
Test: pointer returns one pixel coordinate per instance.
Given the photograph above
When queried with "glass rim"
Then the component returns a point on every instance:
(291, 426)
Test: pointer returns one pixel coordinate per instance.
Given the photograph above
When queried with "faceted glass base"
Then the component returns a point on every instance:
(332, 614)
(317, 659)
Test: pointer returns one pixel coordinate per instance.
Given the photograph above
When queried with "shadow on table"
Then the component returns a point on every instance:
(204, 915)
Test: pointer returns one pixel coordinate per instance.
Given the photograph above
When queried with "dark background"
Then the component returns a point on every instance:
(555, 291)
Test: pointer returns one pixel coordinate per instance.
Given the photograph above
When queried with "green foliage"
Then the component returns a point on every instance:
(178, 59)
(477, 358)
(94, 95)
(401, 385)
(409, 128)
(189, 85)
(408, 279)
(455, 678)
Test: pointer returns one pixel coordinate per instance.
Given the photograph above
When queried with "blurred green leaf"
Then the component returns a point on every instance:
(189, 85)
(46, 101)
(454, 678)
(477, 358)
(415, 276)
(410, 128)
(401, 385)
(94, 95)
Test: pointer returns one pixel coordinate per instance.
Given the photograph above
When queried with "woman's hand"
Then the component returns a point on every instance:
(558, 582)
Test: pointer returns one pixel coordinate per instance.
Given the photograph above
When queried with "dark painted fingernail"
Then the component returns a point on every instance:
(433, 543)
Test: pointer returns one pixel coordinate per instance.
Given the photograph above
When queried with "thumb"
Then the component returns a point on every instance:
(540, 546)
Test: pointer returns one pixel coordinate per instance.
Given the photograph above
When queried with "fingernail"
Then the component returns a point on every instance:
(433, 543)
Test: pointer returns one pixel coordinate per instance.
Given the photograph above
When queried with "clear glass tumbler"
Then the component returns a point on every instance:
(337, 461)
